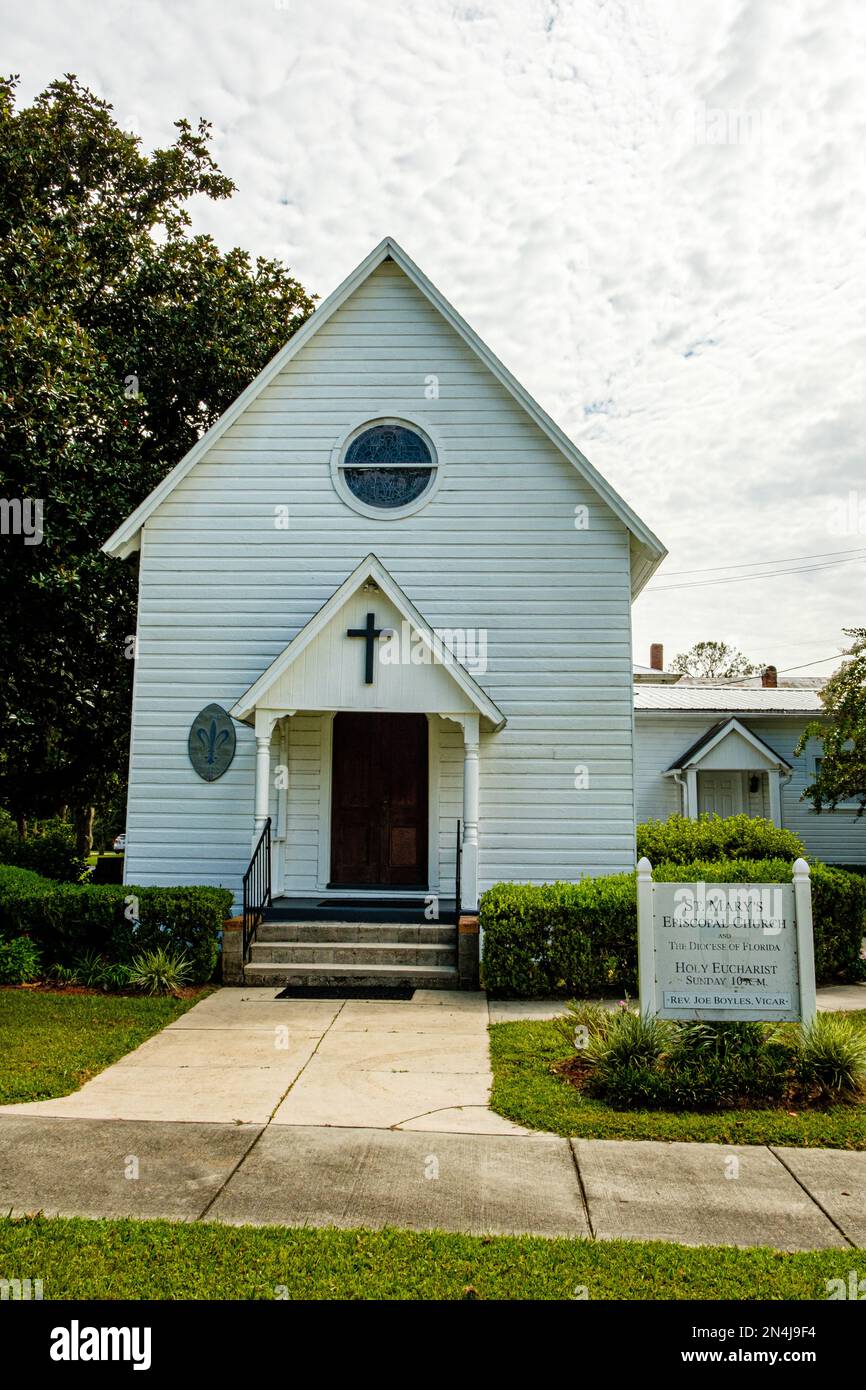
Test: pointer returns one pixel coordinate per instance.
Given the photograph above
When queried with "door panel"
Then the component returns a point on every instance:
(379, 801)
(720, 793)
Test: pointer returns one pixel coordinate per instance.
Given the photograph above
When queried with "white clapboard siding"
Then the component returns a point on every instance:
(222, 592)
(837, 837)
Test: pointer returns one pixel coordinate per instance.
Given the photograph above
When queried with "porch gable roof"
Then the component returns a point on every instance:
(726, 728)
(371, 568)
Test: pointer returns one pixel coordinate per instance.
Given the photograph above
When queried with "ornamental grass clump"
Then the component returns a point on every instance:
(638, 1062)
(832, 1057)
(160, 972)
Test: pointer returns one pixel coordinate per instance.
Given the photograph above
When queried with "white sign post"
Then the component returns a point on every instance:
(726, 951)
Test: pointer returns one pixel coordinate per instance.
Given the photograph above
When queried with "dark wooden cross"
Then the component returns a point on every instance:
(370, 633)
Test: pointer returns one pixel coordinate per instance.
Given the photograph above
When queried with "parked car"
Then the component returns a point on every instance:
(119, 844)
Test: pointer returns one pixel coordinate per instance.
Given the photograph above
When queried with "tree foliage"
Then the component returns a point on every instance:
(841, 775)
(713, 659)
(122, 338)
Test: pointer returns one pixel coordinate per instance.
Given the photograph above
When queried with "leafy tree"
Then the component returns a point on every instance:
(841, 775)
(122, 338)
(713, 659)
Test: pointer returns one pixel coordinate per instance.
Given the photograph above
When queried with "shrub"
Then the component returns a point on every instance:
(832, 1057)
(632, 1040)
(680, 840)
(571, 938)
(580, 939)
(159, 972)
(116, 922)
(715, 1064)
(115, 976)
(636, 1063)
(49, 849)
(19, 961)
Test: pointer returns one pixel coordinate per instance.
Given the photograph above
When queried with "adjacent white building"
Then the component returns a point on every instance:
(729, 748)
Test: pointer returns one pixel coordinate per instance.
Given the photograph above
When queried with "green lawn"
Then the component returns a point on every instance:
(526, 1090)
(161, 1260)
(50, 1044)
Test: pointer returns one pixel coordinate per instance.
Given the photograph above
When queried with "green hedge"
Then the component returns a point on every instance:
(66, 919)
(561, 938)
(679, 840)
(580, 939)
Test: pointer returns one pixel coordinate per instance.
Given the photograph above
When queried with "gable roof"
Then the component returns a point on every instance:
(716, 735)
(647, 551)
(370, 568)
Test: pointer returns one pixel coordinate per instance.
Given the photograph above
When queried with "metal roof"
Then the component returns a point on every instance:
(728, 699)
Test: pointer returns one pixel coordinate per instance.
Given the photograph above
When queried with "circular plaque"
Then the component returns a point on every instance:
(212, 742)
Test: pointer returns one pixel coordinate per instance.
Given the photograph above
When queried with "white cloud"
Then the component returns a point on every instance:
(653, 213)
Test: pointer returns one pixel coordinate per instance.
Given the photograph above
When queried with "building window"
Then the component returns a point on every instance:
(387, 467)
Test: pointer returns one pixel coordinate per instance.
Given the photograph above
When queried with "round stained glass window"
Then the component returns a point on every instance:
(388, 466)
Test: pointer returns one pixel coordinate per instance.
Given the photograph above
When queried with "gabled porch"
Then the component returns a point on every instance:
(369, 735)
(729, 771)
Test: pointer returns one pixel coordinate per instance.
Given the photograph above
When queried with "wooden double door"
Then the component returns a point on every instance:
(379, 799)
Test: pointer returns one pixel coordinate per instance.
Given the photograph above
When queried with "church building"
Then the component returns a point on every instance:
(384, 634)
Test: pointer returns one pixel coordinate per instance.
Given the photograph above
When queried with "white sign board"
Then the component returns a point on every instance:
(720, 951)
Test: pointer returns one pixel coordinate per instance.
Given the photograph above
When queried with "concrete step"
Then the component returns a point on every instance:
(413, 908)
(341, 953)
(388, 933)
(310, 973)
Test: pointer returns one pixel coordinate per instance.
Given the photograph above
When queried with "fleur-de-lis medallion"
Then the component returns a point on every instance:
(212, 742)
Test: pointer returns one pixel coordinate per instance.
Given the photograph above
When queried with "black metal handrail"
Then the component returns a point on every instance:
(458, 864)
(257, 886)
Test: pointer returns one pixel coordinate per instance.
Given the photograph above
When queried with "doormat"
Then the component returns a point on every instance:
(372, 903)
(347, 992)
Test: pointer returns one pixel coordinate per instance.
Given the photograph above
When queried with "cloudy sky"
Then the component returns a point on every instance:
(652, 211)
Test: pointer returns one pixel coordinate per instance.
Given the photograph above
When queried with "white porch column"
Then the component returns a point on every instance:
(692, 793)
(469, 847)
(773, 783)
(265, 722)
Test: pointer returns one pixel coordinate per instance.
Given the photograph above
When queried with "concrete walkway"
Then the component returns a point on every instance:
(243, 1056)
(254, 1110)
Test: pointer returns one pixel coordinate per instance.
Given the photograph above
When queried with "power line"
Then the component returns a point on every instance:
(780, 560)
(819, 660)
(784, 671)
(744, 578)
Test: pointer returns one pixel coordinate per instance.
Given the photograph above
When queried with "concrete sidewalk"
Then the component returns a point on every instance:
(298, 1175)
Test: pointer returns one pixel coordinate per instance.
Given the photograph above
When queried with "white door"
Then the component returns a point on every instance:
(720, 793)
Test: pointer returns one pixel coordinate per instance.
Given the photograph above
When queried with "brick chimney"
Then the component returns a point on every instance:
(768, 678)
(657, 657)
